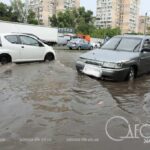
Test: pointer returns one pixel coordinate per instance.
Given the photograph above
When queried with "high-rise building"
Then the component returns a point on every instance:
(46, 8)
(118, 13)
(43, 9)
(144, 25)
(62, 5)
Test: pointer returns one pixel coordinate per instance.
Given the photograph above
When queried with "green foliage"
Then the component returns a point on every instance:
(82, 21)
(102, 33)
(79, 19)
(6, 13)
(31, 18)
(134, 33)
(16, 13)
(18, 8)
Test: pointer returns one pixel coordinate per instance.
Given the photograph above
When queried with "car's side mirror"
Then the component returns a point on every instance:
(145, 50)
(41, 45)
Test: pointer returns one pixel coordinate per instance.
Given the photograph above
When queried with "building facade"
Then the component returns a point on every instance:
(144, 25)
(47, 8)
(67, 4)
(118, 13)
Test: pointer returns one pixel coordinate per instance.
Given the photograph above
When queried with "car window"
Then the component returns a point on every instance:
(26, 40)
(12, 39)
(129, 44)
(86, 42)
(74, 40)
(81, 41)
(146, 44)
(111, 44)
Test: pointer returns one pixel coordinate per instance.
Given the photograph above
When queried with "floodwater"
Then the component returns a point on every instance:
(49, 106)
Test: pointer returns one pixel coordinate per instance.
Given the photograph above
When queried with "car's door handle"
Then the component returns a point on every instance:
(22, 46)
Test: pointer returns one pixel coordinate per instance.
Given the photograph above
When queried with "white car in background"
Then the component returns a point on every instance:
(23, 48)
(96, 44)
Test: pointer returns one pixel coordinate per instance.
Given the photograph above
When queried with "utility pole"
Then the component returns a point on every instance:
(145, 24)
(38, 14)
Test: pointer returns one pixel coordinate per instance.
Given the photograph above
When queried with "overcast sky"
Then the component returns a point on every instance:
(91, 5)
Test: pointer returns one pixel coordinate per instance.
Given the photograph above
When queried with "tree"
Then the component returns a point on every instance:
(18, 7)
(83, 22)
(53, 21)
(31, 18)
(16, 13)
(79, 19)
(103, 33)
(6, 13)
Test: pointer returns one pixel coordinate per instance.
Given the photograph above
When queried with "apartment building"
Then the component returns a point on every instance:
(67, 4)
(144, 26)
(118, 13)
(47, 8)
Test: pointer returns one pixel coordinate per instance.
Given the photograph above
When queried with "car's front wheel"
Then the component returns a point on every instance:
(79, 48)
(91, 47)
(49, 57)
(132, 74)
(4, 59)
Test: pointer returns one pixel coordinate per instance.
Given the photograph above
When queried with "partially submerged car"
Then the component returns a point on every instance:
(79, 44)
(23, 48)
(121, 58)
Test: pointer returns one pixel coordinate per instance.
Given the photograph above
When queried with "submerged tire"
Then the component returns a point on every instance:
(49, 57)
(132, 74)
(91, 48)
(79, 48)
(5, 59)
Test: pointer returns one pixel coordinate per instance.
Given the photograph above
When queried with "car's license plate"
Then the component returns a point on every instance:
(92, 70)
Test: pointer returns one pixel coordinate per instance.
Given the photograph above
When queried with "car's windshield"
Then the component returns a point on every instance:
(123, 44)
(75, 40)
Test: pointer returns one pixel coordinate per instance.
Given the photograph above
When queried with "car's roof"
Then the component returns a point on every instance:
(133, 36)
(76, 39)
(4, 34)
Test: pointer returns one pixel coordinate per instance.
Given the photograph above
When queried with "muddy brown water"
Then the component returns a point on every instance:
(49, 106)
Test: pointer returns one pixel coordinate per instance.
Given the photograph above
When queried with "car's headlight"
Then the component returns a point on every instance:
(80, 61)
(112, 65)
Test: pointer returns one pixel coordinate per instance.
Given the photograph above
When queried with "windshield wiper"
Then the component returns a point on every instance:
(136, 47)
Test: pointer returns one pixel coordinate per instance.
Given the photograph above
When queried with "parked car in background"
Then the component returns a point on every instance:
(62, 41)
(23, 48)
(96, 44)
(120, 58)
(79, 44)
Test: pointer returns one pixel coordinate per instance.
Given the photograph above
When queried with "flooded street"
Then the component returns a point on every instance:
(49, 106)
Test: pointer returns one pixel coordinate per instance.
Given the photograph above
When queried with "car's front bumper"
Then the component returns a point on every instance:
(108, 73)
(73, 46)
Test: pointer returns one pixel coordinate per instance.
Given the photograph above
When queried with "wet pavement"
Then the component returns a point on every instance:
(49, 106)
